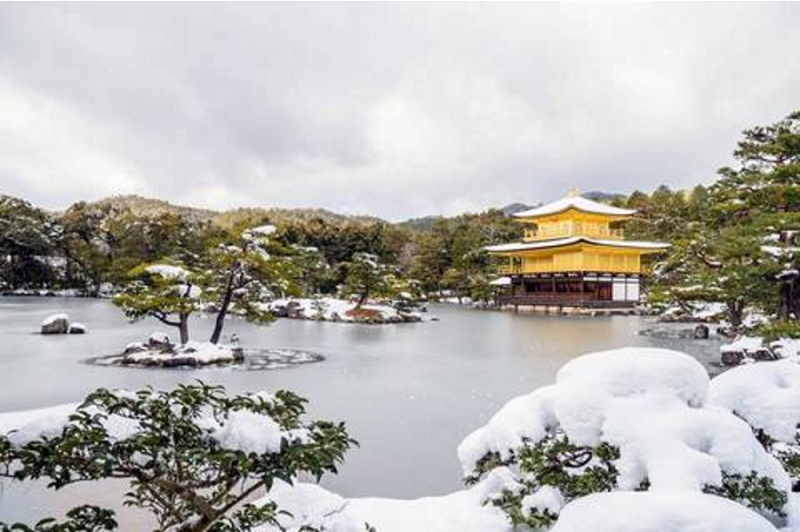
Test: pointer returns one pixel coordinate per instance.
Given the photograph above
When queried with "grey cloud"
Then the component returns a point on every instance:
(390, 109)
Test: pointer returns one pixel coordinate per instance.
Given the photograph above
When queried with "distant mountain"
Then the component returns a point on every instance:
(604, 197)
(513, 208)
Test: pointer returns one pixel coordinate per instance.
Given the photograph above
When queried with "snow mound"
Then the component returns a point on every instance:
(580, 399)
(648, 403)
(766, 395)
(658, 512)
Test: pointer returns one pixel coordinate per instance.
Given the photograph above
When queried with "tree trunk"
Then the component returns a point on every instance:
(735, 311)
(361, 300)
(183, 327)
(223, 308)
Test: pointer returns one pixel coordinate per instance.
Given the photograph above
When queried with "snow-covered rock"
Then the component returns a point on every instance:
(670, 511)
(756, 349)
(77, 328)
(56, 324)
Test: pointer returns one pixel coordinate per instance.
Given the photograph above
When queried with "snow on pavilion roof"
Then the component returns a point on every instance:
(577, 203)
(560, 242)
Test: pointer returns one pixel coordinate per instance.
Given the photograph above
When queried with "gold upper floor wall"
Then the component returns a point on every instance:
(596, 259)
(574, 223)
(568, 228)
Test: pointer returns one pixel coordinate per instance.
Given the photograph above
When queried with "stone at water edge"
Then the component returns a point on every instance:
(701, 332)
(55, 324)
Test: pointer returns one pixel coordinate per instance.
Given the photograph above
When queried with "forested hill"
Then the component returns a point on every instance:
(141, 206)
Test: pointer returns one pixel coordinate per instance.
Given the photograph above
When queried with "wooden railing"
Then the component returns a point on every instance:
(606, 234)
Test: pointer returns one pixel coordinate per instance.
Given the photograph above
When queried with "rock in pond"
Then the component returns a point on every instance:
(56, 324)
(77, 328)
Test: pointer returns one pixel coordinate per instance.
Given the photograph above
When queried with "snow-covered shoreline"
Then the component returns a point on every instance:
(339, 310)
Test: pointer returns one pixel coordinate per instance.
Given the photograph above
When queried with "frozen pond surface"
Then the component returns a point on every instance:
(409, 393)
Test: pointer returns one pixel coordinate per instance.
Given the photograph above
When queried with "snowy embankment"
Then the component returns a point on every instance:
(338, 310)
(684, 449)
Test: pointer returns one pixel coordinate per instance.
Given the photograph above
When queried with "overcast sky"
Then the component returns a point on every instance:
(384, 109)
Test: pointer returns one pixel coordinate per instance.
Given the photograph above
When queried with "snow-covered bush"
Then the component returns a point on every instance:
(767, 396)
(193, 456)
(629, 420)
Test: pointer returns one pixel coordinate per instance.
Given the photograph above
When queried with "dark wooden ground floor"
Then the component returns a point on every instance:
(574, 289)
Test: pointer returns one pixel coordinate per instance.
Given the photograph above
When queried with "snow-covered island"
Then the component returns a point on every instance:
(339, 310)
(159, 351)
(632, 440)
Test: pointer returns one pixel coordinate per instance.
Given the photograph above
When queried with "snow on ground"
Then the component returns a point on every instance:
(702, 312)
(168, 271)
(658, 512)
(461, 511)
(332, 309)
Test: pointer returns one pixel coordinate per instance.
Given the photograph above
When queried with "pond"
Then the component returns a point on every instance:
(409, 393)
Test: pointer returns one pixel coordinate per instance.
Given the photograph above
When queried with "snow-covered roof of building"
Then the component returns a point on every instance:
(568, 241)
(574, 202)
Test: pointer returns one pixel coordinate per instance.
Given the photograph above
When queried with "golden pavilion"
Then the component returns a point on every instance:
(573, 254)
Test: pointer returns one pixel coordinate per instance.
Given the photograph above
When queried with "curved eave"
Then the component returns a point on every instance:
(516, 247)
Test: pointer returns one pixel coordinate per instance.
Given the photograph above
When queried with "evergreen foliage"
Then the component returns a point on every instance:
(176, 468)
